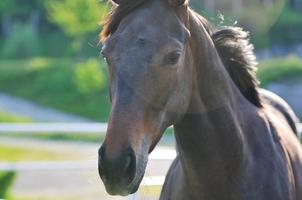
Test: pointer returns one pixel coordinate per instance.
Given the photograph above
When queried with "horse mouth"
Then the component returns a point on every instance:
(123, 190)
(118, 191)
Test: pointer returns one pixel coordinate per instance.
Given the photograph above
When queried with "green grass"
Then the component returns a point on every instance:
(277, 69)
(15, 154)
(52, 82)
(6, 117)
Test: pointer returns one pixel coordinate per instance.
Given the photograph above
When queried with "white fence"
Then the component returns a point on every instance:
(66, 128)
(69, 128)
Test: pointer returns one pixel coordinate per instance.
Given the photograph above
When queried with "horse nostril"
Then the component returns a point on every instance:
(117, 170)
(127, 164)
(129, 167)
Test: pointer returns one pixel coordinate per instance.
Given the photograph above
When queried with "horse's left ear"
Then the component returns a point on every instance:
(177, 2)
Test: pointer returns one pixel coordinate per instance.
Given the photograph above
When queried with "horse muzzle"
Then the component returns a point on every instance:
(118, 173)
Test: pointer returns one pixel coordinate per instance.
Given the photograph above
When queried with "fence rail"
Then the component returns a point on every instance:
(67, 128)
(54, 127)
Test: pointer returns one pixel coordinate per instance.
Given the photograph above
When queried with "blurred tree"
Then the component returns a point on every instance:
(20, 11)
(77, 18)
(90, 77)
(23, 42)
(6, 9)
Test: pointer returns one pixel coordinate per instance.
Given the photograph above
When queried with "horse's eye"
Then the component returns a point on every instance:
(172, 58)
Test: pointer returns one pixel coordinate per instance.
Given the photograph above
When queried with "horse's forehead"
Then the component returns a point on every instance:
(155, 16)
(153, 9)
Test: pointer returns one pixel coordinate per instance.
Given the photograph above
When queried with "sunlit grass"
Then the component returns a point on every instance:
(15, 154)
(150, 190)
(6, 117)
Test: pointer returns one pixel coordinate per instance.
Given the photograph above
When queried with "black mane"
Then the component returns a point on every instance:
(236, 52)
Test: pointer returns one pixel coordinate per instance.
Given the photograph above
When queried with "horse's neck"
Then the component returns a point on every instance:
(210, 138)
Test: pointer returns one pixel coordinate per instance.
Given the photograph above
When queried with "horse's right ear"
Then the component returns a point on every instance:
(177, 2)
(117, 1)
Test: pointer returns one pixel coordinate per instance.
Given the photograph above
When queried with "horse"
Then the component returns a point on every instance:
(168, 66)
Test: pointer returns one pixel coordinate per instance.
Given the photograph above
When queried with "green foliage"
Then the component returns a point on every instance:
(51, 82)
(288, 28)
(269, 25)
(22, 43)
(89, 77)
(283, 68)
(8, 6)
(56, 44)
(284, 28)
(255, 21)
(260, 28)
(17, 7)
(76, 17)
(6, 182)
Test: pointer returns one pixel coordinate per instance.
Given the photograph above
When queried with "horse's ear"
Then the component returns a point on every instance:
(177, 2)
(117, 1)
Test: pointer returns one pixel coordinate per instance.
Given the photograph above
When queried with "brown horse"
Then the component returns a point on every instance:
(169, 67)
